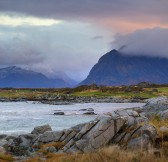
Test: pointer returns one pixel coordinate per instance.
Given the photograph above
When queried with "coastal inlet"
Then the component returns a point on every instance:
(22, 117)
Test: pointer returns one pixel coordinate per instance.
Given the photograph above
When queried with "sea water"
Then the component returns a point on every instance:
(22, 117)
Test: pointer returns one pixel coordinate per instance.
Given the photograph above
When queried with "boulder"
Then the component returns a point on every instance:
(59, 113)
(148, 130)
(83, 110)
(101, 134)
(142, 142)
(163, 114)
(26, 139)
(89, 113)
(24, 142)
(157, 100)
(51, 149)
(96, 135)
(8, 138)
(50, 136)
(156, 105)
(41, 129)
(89, 109)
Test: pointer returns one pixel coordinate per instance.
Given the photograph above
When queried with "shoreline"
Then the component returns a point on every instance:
(67, 100)
(133, 128)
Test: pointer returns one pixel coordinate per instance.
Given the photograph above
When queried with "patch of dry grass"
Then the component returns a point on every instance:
(158, 122)
(43, 147)
(109, 154)
(57, 145)
(6, 158)
(162, 138)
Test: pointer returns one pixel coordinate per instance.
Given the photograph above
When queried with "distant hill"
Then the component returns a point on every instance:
(16, 77)
(114, 68)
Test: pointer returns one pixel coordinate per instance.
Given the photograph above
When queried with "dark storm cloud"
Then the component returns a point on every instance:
(65, 9)
(149, 42)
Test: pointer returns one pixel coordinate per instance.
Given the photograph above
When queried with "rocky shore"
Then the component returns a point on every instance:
(70, 99)
(129, 129)
(65, 100)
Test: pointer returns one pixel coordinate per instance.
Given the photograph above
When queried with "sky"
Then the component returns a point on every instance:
(69, 36)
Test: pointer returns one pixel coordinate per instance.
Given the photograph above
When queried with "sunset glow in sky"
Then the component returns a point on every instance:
(71, 35)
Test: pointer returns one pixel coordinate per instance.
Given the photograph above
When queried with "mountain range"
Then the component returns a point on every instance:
(115, 68)
(16, 77)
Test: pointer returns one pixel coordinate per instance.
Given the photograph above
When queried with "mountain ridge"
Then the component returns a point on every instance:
(16, 77)
(115, 68)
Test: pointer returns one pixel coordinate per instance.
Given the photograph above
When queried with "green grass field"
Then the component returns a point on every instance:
(117, 94)
(31, 94)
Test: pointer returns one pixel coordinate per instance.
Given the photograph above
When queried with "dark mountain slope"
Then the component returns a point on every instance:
(114, 68)
(20, 78)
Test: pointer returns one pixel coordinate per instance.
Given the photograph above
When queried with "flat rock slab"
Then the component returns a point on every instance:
(96, 135)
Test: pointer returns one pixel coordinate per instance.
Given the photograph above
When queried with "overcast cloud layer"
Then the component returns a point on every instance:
(110, 13)
(149, 42)
(88, 8)
(71, 35)
(66, 47)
